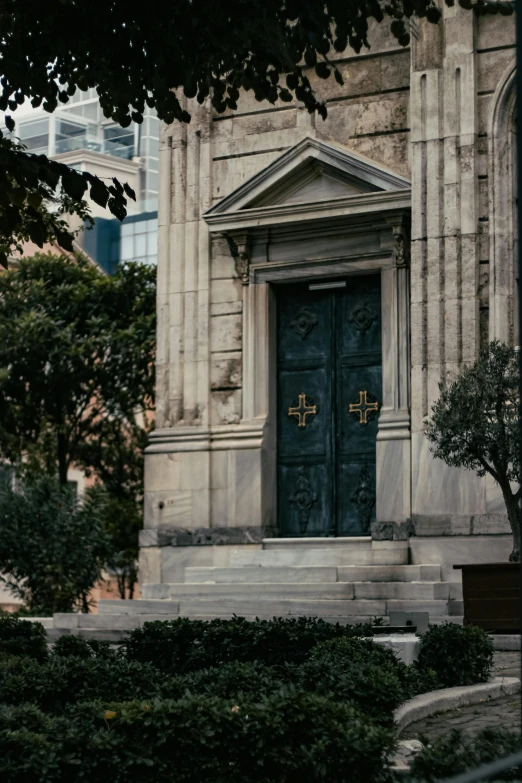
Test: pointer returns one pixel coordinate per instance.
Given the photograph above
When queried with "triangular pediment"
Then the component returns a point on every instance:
(312, 171)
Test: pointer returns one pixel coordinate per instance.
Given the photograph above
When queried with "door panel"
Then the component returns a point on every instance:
(329, 358)
(304, 438)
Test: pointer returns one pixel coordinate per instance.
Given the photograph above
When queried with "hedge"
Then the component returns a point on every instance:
(286, 738)
(182, 645)
(22, 637)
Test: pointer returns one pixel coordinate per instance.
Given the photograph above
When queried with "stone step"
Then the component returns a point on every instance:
(410, 591)
(283, 590)
(281, 607)
(389, 573)
(322, 557)
(136, 606)
(272, 591)
(267, 573)
(257, 574)
(455, 591)
(456, 608)
(324, 542)
(435, 608)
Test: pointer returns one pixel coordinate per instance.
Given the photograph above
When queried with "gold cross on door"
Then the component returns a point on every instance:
(363, 407)
(302, 411)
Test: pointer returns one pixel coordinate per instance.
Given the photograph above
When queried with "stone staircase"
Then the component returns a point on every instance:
(346, 580)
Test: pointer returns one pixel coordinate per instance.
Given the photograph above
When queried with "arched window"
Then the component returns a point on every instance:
(503, 322)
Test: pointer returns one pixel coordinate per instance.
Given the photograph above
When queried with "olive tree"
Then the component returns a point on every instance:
(475, 425)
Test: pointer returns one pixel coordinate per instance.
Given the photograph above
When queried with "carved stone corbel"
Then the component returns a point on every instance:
(401, 250)
(240, 250)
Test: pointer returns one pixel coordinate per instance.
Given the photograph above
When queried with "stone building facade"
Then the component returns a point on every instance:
(391, 224)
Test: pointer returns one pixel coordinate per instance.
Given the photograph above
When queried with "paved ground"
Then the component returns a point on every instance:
(499, 712)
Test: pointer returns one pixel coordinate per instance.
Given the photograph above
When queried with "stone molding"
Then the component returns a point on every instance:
(460, 525)
(502, 283)
(202, 536)
(343, 207)
(234, 436)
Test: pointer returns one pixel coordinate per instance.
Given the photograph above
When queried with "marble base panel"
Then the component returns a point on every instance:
(439, 490)
(393, 481)
(448, 551)
(207, 489)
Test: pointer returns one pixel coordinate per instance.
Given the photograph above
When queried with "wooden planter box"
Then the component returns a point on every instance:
(491, 594)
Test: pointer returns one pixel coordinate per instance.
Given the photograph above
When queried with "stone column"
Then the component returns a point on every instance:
(444, 265)
(177, 461)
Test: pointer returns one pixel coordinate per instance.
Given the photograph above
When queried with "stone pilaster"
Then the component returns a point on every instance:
(445, 263)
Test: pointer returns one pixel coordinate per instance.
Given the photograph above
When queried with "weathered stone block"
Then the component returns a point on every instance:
(225, 371)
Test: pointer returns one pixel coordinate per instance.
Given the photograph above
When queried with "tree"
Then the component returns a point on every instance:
(76, 350)
(160, 54)
(117, 452)
(52, 545)
(475, 425)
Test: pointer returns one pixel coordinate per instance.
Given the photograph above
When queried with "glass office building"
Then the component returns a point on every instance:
(81, 127)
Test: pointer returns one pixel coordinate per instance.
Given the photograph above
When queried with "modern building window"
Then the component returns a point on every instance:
(119, 141)
(139, 240)
(35, 135)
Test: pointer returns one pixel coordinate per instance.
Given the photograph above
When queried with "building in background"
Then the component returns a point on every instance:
(81, 137)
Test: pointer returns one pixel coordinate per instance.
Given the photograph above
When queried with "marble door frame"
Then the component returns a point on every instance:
(260, 373)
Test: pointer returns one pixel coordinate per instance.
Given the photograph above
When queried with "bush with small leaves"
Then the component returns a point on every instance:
(60, 682)
(69, 646)
(22, 637)
(458, 655)
(456, 752)
(182, 645)
(288, 736)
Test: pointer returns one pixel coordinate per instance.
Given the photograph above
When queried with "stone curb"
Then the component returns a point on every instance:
(426, 704)
(506, 641)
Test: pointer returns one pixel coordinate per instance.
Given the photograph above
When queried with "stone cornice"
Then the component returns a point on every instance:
(230, 436)
(380, 203)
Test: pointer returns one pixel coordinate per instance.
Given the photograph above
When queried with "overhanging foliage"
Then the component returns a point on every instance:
(159, 54)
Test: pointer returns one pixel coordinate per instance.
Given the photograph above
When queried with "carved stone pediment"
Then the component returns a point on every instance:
(313, 179)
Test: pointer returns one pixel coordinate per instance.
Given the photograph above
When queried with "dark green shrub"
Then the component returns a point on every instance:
(375, 690)
(286, 738)
(459, 655)
(457, 752)
(231, 680)
(68, 646)
(180, 646)
(64, 681)
(22, 637)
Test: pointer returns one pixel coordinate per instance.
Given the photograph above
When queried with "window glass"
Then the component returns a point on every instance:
(141, 244)
(127, 248)
(153, 243)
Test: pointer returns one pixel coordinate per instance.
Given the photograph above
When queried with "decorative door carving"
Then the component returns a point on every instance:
(329, 397)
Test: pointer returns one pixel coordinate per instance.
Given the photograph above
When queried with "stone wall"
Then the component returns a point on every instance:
(456, 71)
(425, 113)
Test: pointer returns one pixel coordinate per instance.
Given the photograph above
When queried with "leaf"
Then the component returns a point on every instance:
(109, 714)
(129, 191)
(74, 184)
(99, 192)
(9, 123)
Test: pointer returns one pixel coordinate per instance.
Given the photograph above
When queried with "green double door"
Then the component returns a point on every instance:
(328, 398)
